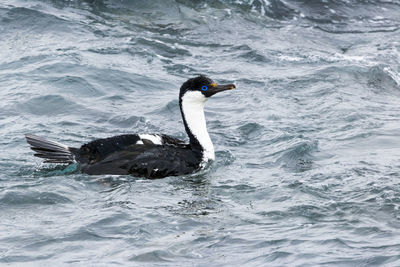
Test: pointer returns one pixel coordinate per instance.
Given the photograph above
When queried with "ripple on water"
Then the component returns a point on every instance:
(32, 198)
(154, 256)
(251, 130)
(299, 157)
(384, 80)
(122, 121)
(74, 85)
(33, 20)
(168, 110)
(163, 49)
(55, 105)
(224, 158)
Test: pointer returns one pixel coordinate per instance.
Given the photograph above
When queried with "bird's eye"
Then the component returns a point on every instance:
(204, 88)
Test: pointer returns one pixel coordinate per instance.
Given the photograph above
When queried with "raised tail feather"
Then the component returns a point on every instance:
(52, 151)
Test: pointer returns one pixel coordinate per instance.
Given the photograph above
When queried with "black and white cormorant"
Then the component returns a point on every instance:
(146, 155)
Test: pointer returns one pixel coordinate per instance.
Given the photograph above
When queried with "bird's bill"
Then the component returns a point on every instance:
(216, 88)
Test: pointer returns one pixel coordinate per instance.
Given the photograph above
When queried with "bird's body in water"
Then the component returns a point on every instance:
(145, 155)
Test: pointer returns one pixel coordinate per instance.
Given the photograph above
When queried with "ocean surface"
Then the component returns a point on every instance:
(307, 169)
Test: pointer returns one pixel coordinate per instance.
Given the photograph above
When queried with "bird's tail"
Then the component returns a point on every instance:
(53, 152)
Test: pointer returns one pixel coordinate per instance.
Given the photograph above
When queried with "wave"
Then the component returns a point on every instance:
(319, 11)
(176, 17)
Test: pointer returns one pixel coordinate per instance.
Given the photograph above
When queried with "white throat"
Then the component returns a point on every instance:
(193, 110)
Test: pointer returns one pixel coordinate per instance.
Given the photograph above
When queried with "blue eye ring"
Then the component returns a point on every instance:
(204, 88)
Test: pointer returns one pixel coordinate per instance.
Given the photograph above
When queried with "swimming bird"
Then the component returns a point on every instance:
(145, 155)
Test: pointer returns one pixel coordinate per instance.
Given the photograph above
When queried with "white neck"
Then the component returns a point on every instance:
(193, 110)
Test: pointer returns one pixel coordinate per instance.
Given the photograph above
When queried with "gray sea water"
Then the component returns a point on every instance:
(307, 169)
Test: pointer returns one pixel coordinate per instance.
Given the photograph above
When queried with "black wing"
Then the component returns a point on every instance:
(147, 161)
(99, 149)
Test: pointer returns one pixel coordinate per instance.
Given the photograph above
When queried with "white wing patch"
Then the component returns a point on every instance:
(154, 138)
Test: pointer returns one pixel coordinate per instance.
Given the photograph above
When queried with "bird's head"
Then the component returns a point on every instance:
(201, 88)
